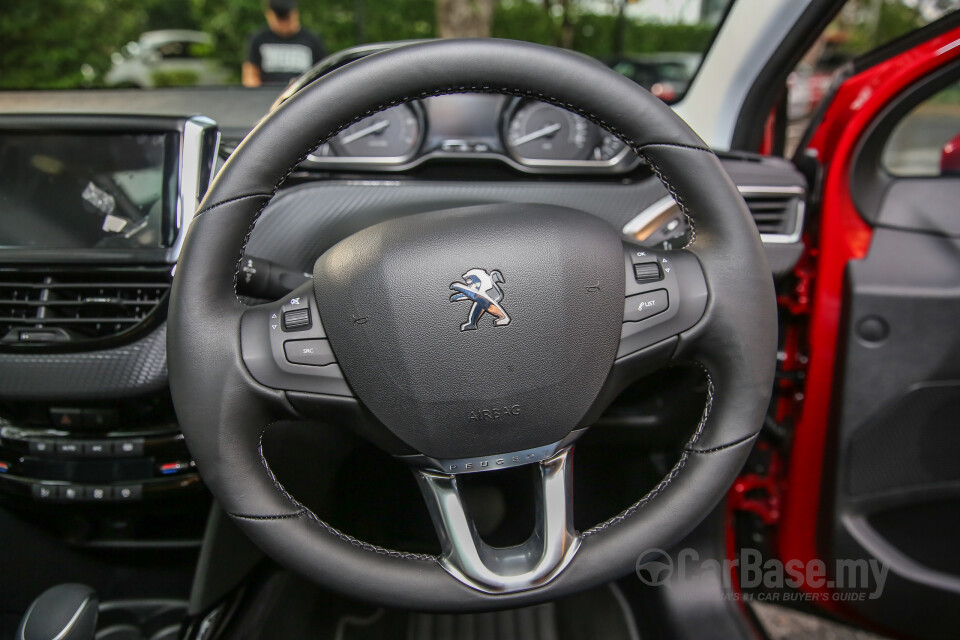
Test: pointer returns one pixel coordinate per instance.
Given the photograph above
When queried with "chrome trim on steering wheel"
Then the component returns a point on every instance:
(455, 466)
(532, 564)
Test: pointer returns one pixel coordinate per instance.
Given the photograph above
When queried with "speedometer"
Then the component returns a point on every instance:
(393, 134)
(537, 133)
(541, 131)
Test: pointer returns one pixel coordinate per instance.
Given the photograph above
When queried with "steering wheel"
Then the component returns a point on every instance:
(473, 339)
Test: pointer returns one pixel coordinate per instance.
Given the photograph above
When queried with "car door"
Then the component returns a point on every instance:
(875, 465)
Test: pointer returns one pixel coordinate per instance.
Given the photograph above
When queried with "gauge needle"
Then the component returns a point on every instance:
(539, 133)
(375, 127)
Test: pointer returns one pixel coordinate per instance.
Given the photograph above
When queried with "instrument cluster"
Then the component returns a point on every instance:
(529, 135)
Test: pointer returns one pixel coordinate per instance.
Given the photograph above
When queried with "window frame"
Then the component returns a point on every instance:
(869, 179)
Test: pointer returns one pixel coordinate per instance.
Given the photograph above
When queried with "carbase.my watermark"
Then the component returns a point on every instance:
(857, 579)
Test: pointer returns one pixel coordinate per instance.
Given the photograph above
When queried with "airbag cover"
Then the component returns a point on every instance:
(476, 331)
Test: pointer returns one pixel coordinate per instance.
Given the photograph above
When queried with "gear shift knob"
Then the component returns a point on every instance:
(63, 612)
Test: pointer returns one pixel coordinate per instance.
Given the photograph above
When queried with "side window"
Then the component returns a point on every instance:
(926, 142)
(860, 27)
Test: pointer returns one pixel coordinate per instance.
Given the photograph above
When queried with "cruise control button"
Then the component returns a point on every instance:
(645, 305)
(312, 352)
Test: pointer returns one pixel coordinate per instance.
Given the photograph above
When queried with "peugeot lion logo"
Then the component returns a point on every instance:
(483, 289)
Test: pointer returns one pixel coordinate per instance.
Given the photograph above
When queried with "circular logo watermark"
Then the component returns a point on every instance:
(856, 579)
(654, 567)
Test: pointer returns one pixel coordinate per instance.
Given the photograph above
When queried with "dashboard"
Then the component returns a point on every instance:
(528, 135)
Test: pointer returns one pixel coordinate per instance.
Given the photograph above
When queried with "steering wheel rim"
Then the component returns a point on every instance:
(224, 410)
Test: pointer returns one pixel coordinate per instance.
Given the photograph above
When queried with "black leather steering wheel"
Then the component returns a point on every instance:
(471, 339)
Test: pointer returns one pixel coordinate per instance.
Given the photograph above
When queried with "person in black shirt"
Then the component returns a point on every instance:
(283, 50)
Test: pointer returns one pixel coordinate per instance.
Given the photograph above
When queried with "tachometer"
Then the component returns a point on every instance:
(609, 148)
(541, 131)
(390, 134)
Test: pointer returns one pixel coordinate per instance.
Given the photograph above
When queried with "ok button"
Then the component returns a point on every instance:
(312, 352)
(645, 305)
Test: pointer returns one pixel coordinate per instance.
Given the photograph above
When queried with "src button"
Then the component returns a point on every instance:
(645, 305)
(312, 352)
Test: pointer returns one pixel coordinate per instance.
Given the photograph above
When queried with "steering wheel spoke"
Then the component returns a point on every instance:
(535, 562)
(665, 294)
(285, 346)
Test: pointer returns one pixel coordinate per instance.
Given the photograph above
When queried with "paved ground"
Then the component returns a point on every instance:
(782, 623)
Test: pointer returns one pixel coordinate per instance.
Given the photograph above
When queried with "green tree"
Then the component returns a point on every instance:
(871, 23)
(46, 44)
(170, 14)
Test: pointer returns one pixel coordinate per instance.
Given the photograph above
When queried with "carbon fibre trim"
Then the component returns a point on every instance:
(302, 223)
(133, 369)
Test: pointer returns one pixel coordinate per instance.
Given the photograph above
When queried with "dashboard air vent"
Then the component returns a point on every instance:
(45, 306)
(777, 211)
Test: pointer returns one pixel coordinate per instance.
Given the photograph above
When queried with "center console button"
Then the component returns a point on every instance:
(96, 494)
(128, 492)
(44, 491)
(97, 449)
(100, 418)
(66, 418)
(69, 492)
(128, 448)
(41, 447)
(69, 448)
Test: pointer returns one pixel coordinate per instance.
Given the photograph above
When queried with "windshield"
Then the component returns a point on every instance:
(151, 44)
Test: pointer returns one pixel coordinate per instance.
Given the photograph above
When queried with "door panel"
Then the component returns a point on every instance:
(922, 204)
(875, 467)
(894, 488)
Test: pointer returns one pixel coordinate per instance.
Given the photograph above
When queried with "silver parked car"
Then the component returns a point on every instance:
(170, 57)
